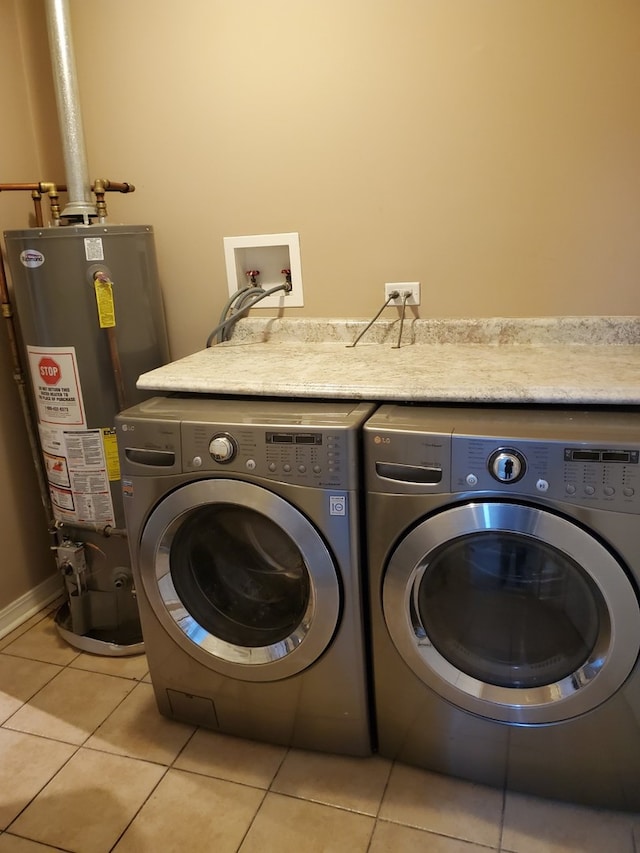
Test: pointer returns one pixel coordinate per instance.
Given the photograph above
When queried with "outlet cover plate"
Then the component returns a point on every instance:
(403, 287)
(268, 253)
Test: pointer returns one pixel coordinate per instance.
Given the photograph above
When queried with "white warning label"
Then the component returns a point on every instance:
(56, 385)
(93, 250)
(57, 470)
(77, 474)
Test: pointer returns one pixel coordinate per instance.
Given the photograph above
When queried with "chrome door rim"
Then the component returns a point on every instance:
(264, 663)
(594, 682)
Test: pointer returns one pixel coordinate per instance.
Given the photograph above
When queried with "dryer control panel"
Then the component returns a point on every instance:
(606, 476)
(589, 458)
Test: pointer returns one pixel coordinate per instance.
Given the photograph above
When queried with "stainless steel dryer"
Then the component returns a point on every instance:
(245, 537)
(504, 550)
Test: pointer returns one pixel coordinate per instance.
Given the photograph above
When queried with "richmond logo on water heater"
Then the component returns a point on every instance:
(31, 258)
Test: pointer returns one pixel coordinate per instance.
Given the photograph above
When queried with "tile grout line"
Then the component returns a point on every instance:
(503, 812)
(40, 790)
(46, 684)
(377, 814)
(77, 747)
(167, 767)
(265, 792)
(25, 627)
(25, 838)
(32, 696)
(171, 766)
(137, 680)
(140, 807)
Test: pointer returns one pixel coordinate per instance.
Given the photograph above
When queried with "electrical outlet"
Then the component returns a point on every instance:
(403, 287)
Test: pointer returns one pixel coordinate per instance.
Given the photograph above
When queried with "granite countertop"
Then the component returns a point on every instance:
(495, 360)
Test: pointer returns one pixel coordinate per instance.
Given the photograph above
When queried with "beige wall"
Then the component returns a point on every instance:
(25, 559)
(488, 148)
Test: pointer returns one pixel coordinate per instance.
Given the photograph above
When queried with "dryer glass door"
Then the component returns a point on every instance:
(240, 578)
(512, 612)
(508, 610)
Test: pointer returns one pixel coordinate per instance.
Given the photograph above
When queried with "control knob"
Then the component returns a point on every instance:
(222, 448)
(507, 465)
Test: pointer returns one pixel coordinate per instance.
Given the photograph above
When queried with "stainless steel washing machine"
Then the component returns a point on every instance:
(504, 551)
(244, 530)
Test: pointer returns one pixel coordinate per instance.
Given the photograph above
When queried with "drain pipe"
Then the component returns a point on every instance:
(79, 205)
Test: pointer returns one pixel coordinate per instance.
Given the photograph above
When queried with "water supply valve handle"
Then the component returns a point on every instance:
(287, 277)
(252, 275)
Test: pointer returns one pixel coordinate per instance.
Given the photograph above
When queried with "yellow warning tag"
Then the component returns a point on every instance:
(104, 299)
(110, 444)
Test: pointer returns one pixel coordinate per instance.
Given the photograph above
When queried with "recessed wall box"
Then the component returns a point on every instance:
(270, 254)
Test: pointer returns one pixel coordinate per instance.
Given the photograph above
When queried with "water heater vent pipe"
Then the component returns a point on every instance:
(79, 204)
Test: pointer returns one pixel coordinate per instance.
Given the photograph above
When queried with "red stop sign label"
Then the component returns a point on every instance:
(49, 370)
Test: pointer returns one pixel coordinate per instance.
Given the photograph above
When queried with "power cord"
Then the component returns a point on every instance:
(393, 295)
(405, 297)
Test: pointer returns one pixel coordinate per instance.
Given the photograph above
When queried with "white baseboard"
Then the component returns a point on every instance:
(14, 614)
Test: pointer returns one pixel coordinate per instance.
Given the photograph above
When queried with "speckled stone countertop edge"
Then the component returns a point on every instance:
(531, 331)
(457, 372)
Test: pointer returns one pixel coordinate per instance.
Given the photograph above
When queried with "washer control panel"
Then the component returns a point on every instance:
(306, 457)
(305, 444)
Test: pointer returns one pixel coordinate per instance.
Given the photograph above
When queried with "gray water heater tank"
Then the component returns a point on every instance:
(91, 319)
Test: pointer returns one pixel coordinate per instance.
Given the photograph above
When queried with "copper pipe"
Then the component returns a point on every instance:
(18, 375)
(20, 187)
(101, 205)
(113, 186)
(114, 353)
(54, 200)
(44, 186)
(36, 195)
(36, 191)
(7, 313)
(40, 186)
(100, 186)
(117, 367)
(54, 204)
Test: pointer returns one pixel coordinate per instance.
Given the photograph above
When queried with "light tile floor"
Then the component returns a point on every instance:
(87, 764)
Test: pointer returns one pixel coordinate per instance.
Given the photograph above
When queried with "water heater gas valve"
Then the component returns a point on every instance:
(70, 557)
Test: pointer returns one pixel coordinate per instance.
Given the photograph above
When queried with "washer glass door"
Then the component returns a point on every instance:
(240, 578)
(512, 612)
